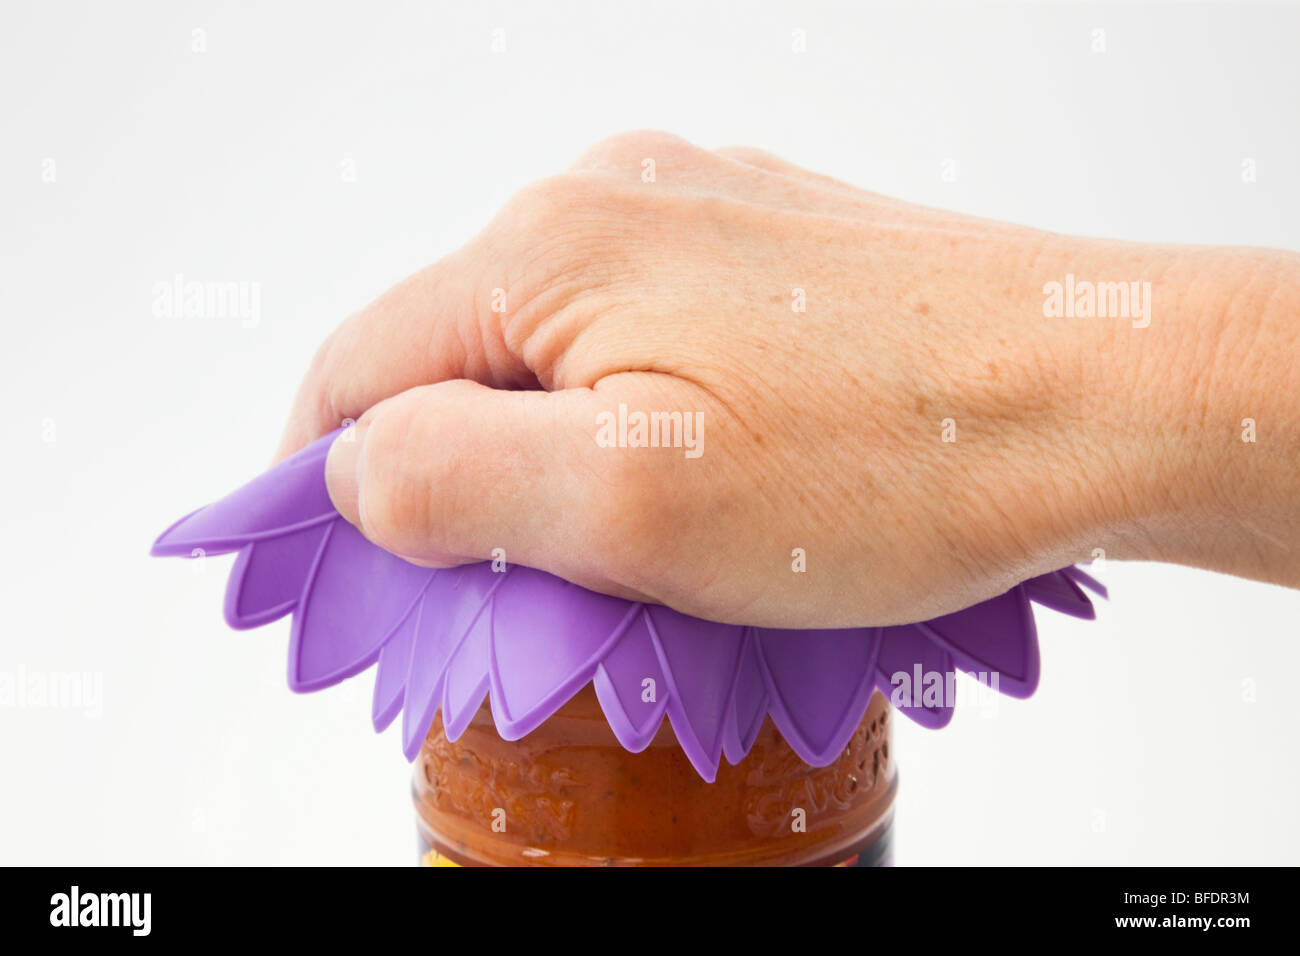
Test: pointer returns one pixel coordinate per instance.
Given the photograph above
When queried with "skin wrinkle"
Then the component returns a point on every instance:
(539, 343)
(578, 326)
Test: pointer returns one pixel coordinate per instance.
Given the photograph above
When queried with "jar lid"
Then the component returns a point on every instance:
(442, 639)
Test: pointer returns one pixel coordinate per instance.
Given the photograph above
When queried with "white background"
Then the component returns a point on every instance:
(1144, 744)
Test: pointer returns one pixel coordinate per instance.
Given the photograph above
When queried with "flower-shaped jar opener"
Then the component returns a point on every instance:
(442, 639)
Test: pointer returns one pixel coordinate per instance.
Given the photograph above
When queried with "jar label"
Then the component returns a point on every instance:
(433, 858)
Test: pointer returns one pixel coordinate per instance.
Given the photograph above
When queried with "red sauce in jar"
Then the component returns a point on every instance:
(569, 794)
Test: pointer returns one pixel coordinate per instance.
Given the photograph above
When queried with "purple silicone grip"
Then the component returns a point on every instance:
(443, 639)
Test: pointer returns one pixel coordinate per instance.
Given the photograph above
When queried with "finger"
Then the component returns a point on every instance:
(428, 328)
(447, 474)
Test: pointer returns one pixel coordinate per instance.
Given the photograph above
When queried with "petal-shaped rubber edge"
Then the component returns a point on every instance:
(749, 703)
(526, 688)
(287, 497)
(916, 675)
(1058, 592)
(631, 686)
(996, 640)
(699, 660)
(465, 682)
(392, 668)
(819, 684)
(355, 595)
(1079, 576)
(450, 608)
(269, 575)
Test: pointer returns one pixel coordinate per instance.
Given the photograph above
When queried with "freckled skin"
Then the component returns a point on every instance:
(478, 383)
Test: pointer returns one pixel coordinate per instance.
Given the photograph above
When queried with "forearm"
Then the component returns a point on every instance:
(1203, 410)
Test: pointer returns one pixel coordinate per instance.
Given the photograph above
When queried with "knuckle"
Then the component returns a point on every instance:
(627, 150)
(544, 201)
(560, 231)
(552, 216)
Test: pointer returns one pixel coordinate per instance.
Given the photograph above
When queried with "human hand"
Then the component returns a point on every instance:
(870, 384)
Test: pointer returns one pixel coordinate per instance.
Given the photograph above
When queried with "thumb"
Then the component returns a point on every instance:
(447, 474)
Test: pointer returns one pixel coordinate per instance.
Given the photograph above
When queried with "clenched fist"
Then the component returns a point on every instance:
(714, 380)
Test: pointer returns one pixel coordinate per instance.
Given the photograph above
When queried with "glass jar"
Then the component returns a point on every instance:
(569, 794)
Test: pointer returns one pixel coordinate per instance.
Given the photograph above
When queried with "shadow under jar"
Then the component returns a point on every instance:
(568, 794)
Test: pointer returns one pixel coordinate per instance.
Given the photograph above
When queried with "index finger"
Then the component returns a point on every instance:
(428, 328)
